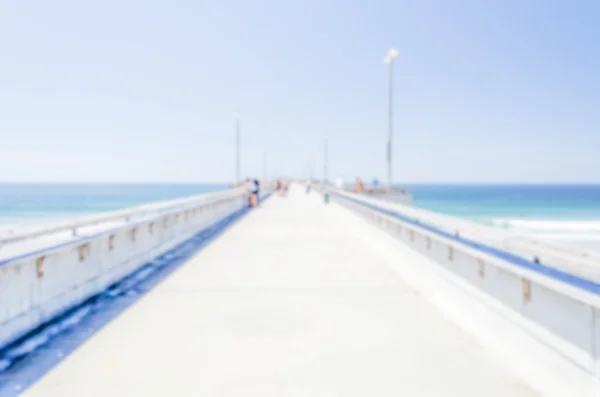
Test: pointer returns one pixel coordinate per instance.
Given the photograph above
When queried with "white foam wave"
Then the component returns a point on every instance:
(580, 226)
(569, 236)
(578, 235)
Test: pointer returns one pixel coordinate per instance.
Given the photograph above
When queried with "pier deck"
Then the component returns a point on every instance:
(288, 302)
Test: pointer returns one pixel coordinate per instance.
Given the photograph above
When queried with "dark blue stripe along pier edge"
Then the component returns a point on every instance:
(560, 275)
(26, 360)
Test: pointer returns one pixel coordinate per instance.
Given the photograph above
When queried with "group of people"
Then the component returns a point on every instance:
(282, 187)
(360, 186)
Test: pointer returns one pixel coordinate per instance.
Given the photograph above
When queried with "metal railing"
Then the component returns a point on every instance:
(126, 215)
(525, 246)
(39, 284)
(556, 315)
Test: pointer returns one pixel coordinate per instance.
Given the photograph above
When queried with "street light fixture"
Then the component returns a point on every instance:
(325, 160)
(389, 60)
(237, 148)
(265, 167)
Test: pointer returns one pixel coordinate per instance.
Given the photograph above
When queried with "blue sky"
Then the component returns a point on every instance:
(115, 90)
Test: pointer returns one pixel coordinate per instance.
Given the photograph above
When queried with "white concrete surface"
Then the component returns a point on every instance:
(524, 347)
(24, 239)
(37, 286)
(289, 302)
(43, 242)
(559, 318)
(569, 259)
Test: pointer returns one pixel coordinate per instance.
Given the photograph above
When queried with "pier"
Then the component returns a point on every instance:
(298, 297)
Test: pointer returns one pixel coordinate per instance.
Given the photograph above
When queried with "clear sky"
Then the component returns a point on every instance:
(146, 91)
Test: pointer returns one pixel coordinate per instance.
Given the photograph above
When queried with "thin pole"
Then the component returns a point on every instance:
(390, 127)
(325, 164)
(265, 167)
(237, 149)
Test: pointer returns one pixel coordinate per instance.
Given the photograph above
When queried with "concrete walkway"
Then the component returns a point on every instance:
(288, 302)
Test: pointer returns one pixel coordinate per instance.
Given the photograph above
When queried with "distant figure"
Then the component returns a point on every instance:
(308, 186)
(360, 187)
(249, 189)
(278, 186)
(285, 187)
(256, 187)
(253, 190)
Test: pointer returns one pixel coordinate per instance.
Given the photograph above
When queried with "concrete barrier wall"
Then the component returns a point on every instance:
(38, 286)
(581, 263)
(559, 309)
(397, 196)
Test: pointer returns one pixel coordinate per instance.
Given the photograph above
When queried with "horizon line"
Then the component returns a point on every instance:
(437, 183)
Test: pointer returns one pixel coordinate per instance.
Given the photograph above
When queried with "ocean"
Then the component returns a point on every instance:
(26, 204)
(566, 215)
(563, 214)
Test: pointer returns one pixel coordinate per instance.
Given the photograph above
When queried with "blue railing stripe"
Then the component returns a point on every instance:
(76, 240)
(560, 275)
(25, 361)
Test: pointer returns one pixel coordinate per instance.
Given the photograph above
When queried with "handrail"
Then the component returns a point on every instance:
(502, 239)
(126, 215)
(553, 278)
(167, 212)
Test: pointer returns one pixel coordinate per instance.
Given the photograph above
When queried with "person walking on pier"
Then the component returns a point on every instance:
(360, 187)
(286, 185)
(257, 191)
(253, 193)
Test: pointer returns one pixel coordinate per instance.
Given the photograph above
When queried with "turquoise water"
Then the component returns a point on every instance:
(566, 214)
(31, 203)
(562, 213)
(557, 202)
(486, 203)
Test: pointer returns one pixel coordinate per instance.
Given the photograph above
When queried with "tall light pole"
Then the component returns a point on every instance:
(265, 167)
(325, 163)
(389, 60)
(237, 148)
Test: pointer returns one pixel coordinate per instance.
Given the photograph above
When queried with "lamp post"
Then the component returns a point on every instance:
(325, 162)
(265, 167)
(389, 60)
(237, 148)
